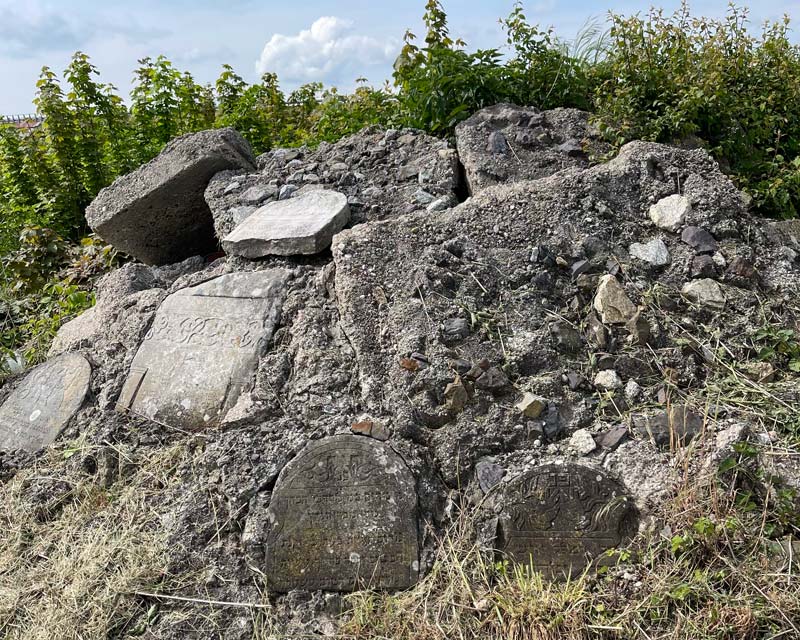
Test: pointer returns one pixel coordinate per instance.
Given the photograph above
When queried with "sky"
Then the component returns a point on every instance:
(334, 42)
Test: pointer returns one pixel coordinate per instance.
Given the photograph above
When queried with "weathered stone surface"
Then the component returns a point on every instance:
(157, 213)
(40, 407)
(670, 213)
(675, 427)
(343, 515)
(699, 239)
(489, 474)
(607, 380)
(654, 252)
(611, 301)
(202, 349)
(557, 516)
(705, 292)
(506, 143)
(304, 224)
(531, 406)
(582, 442)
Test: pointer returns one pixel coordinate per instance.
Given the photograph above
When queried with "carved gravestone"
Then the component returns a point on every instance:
(202, 349)
(561, 517)
(39, 408)
(343, 515)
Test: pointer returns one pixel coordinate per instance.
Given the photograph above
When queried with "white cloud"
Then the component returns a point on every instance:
(329, 51)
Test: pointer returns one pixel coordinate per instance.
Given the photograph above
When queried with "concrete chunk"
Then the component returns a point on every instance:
(157, 213)
(304, 224)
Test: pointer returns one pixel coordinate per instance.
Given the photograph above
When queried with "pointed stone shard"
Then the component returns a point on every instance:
(343, 516)
(157, 213)
(202, 349)
(42, 405)
(559, 517)
(612, 303)
(304, 224)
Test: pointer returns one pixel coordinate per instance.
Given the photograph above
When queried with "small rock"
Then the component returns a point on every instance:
(456, 396)
(703, 267)
(489, 474)
(572, 148)
(567, 337)
(655, 252)
(409, 364)
(493, 379)
(286, 191)
(580, 267)
(741, 272)
(759, 371)
(440, 204)
(607, 380)
(670, 213)
(423, 197)
(612, 303)
(582, 442)
(699, 239)
(454, 329)
(257, 194)
(232, 186)
(639, 328)
(705, 292)
(612, 438)
(371, 429)
(632, 391)
(575, 380)
(531, 406)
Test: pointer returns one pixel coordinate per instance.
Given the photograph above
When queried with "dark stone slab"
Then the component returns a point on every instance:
(343, 516)
(202, 349)
(40, 407)
(562, 517)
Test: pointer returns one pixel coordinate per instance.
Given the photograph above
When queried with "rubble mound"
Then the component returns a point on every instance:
(538, 353)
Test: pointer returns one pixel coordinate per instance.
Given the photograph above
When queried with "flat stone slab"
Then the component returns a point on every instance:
(303, 224)
(158, 213)
(202, 349)
(561, 517)
(343, 516)
(39, 408)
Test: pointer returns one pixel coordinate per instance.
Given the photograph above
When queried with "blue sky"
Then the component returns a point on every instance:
(334, 42)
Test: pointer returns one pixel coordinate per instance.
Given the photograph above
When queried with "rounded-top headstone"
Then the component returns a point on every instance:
(561, 517)
(343, 516)
(40, 407)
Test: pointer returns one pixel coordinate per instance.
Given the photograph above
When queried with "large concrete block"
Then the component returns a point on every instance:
(158, 213)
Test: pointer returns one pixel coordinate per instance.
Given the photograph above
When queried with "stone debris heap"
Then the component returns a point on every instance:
(387, 333)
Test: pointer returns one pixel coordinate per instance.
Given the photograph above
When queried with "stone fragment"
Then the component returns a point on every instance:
(582, 442)
(158, 213)
(257, 194)
(440, 204)
(670, 213)
(558, 518)
(671, 428)
(202, 350)
(455, 329)
(612, 303)
(639, 328)
(580, 267)
(287, 191)
(607, 380)
(41, 406)
(703, 267)
(741, 272)
(497, 143)
(456, 396)
(567, 337)
(705, 292)
(531, 406)
(371, 429)
(493, 379)
(575, 380)
(304, 224)
(632, 390)
(343, 516)
(699, 239)
(654, 253)
(614, 437)
(489, 474)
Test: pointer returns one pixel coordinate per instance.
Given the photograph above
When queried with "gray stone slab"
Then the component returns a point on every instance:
(158, 213)
(303, 224)
(41, 406)
(343, 516)
(561, 517)
(202, 349)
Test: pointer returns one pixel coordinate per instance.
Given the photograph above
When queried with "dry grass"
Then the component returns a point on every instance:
(68, 567)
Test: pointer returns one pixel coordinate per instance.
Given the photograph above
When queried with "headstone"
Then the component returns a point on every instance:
(560, 517)
(343, 515)
(202, 349)
(158, 213)
(304, 224)
(40, 407)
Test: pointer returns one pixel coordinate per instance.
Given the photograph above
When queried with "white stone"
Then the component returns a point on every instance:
(654, 252)
(632, 390)
(706, 292)
(304, 224)
(612, 303)
(607, 379)
(670, 213)
(582, 442)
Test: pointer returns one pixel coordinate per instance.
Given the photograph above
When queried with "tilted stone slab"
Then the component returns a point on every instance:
(561, 517)
(343, 516)
(42, 405)
(304, 224)
(158, 213)
(202, 349)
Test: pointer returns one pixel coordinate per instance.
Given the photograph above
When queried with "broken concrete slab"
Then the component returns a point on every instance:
(304, 224)
(157, 213)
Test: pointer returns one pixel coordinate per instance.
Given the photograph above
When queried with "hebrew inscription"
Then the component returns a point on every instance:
(202, 349)
(36, 411)
(561, 517)
(343, 516)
